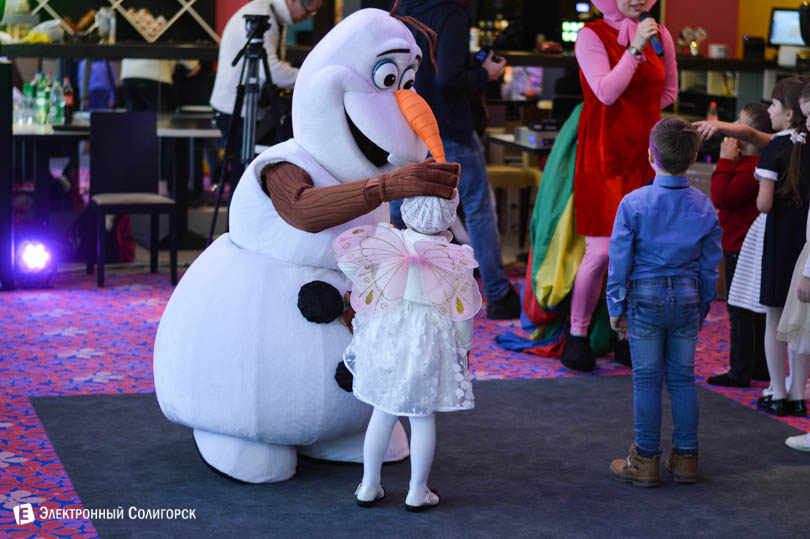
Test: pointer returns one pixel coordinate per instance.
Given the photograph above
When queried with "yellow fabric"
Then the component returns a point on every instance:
(555, 277)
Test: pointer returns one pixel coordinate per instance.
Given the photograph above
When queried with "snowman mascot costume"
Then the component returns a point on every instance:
(239, 356)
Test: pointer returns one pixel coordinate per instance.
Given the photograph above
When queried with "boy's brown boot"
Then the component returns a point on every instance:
(683, 468)
(635, 469)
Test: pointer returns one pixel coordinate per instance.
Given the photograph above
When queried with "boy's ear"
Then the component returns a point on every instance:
(651, 155)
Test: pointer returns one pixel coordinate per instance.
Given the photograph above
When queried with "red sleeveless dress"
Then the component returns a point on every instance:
(612, 141)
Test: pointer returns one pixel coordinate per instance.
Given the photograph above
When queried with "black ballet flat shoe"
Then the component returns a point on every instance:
(796, 408)
(777, 407)
(764, 402)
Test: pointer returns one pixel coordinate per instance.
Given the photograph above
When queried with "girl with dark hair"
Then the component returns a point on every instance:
(784, 194)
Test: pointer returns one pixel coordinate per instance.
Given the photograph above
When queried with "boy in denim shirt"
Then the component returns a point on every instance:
(662, 278)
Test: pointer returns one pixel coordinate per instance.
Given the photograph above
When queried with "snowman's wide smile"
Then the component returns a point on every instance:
(376, 155)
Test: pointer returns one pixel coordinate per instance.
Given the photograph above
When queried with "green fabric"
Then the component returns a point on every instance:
(599, 332)
(554, 193)
(552, 196)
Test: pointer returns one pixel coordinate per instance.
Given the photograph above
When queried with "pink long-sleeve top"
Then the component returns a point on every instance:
(609, 84)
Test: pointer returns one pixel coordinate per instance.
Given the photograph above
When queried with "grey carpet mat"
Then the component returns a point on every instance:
(530, 460)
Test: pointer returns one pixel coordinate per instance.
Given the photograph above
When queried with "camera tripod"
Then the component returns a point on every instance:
(247, 94)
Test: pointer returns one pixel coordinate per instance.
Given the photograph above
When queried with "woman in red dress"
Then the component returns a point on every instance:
(625, 85)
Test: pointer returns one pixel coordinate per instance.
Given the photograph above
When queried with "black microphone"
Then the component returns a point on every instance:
(655, 40)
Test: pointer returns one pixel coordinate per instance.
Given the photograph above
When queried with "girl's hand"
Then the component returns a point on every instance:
(729, 149)
(803, 290)
(709, 128)
(644, 31)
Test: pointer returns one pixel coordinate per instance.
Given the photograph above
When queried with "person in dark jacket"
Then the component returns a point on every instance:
(448, 92)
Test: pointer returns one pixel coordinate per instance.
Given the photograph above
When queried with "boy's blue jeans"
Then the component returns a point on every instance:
(663, 321)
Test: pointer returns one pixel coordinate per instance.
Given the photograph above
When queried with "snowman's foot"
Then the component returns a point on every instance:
(350, 448)
(243, 460)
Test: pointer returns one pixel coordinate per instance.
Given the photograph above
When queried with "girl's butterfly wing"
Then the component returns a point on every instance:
(376, 261)
(447, 279)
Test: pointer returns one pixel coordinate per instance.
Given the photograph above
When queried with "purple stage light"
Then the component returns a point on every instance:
(583, 7)
(35, 264)
(34, 256)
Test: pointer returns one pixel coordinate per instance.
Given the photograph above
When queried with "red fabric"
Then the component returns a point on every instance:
(123, 239)
(734, 194)
(612, 141)
(531, 308)
(549, 350)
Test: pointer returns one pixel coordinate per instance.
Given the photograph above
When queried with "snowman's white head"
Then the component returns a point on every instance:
(345, 109)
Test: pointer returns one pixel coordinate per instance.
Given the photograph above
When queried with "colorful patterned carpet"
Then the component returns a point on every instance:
(75, 339)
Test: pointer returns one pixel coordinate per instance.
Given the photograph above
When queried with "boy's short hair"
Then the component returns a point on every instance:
(674, 143)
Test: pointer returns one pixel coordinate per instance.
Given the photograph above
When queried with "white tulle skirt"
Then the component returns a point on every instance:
(410, 362)
(794, 325)
(744, 291)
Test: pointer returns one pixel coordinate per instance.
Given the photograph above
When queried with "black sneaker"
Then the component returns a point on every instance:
(621, 353)
(506, 308)
(577, 354)
(726, 380)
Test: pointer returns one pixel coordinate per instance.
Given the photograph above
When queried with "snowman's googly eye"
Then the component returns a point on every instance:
(406, 81)
(385, 74)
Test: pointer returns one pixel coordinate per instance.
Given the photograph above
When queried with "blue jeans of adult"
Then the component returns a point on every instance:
(663, 321)
(479, 211)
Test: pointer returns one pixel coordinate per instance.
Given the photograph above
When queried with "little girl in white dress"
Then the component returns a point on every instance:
(414, 296)
(794, 328)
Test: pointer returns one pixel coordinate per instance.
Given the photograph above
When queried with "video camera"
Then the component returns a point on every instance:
(510, 33)
(256, 25)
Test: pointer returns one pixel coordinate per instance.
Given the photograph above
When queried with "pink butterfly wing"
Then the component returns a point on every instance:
(380, 270)
(447, 279)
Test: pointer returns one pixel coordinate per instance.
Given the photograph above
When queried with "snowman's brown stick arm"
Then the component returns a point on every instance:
(313, 209)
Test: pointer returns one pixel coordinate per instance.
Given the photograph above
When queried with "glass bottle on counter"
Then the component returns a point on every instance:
(41, 104)
(56, 110)
(712, 113)
(70, 100)
(28, 104)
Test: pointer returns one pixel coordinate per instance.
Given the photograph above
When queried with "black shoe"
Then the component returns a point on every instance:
(577, 354)
(764, 402)
(505, 308)
(621, 353)
(796, 408)
(775, 407)
(726, 380)
(763, 376)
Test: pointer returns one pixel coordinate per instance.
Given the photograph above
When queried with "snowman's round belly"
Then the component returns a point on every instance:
(234, 355)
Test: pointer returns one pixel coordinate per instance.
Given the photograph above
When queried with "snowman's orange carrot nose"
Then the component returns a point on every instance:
(421, 119)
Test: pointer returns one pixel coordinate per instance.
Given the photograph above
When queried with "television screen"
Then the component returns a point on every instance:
(785, 28)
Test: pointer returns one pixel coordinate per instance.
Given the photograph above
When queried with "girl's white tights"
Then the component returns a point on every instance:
(799, 369)
(423, 444)
(775, 352)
